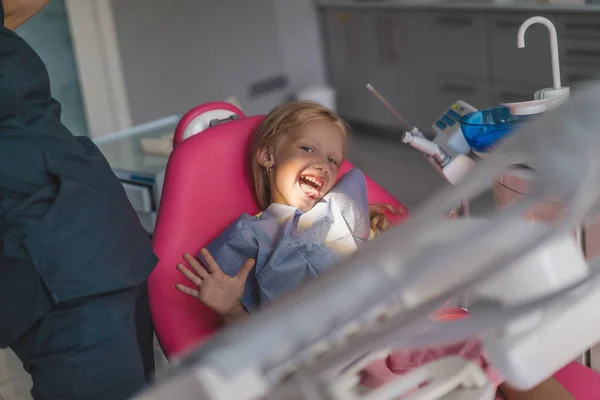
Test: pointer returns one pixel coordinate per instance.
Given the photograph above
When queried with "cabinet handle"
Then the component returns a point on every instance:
(582, 26)
(507, 24)
(458, 88)
(584, 54)
(454, 21)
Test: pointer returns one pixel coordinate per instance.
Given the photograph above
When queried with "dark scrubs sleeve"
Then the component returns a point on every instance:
(74, 257)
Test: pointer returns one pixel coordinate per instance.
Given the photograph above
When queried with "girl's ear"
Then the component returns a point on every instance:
(265, 157)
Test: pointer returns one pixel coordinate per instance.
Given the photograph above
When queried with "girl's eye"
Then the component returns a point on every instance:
(306, 148)
(331, 160)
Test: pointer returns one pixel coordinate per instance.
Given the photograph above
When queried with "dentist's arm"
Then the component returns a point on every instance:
(16, 12)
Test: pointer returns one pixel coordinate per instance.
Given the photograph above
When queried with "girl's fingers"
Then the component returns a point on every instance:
(189, 291)
(195, 264)
(195, 279)
(211, 264)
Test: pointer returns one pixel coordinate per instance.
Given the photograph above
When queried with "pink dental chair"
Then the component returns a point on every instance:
(207, 186)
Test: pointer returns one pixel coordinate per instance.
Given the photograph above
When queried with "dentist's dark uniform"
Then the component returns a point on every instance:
(74, 258)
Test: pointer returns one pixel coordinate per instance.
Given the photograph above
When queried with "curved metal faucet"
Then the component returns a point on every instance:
(553, 44)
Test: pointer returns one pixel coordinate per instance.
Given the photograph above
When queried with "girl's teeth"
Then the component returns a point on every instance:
(312, 180)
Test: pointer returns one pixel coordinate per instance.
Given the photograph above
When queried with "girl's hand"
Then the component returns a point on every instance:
(215, 289)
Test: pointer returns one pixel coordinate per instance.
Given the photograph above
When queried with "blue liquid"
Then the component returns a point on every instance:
(485, 129)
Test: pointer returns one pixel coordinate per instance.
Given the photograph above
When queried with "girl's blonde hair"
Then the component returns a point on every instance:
(283, 120)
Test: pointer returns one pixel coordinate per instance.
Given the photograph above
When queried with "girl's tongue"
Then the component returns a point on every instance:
(309, 190)
(309, 187)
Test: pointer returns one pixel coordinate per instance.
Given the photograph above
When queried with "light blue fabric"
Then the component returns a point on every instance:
(290, 246)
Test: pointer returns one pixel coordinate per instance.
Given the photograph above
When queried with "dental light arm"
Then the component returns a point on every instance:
(301, 347)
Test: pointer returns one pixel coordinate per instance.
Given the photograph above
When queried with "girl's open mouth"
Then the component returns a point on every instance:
(311, 185)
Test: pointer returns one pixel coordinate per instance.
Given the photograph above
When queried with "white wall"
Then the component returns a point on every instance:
(300, 42)
(179, 53)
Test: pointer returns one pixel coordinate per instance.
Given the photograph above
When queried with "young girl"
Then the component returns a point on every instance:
(309, 222)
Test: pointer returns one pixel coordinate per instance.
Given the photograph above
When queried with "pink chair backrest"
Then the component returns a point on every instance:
(207, 186)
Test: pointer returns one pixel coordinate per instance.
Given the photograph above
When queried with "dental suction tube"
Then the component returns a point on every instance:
(427, 147)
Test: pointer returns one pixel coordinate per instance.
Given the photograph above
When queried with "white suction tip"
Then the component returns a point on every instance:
(369, 86)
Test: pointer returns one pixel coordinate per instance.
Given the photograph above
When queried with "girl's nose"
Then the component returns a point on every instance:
(322, 167)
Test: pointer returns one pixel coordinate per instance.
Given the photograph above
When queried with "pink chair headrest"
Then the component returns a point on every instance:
(198, 117)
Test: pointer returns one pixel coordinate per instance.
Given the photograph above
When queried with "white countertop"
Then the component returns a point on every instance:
(123, 150)
(478, 5)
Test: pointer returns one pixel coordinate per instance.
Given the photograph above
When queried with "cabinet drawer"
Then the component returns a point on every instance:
(576, 75)
(578, 26)
(345, 33)
(348, 43)
(350, 38)
(529, 65)
(512, 93)
(397, 71)
(580, 52)
(446, 89)
(456, 43)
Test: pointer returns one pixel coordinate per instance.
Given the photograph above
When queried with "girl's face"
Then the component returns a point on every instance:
(303, 165)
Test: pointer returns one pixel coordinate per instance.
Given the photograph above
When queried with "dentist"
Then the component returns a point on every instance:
(74, 258)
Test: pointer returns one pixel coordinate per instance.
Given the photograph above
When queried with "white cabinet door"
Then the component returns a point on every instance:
(579, 52)
(456, 43)
(580, 25)
(395, 71)
(446, 89)
(575, 75)
(385, 70)
(350, 44)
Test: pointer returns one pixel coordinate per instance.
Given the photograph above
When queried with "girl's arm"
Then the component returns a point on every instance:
(550, 389)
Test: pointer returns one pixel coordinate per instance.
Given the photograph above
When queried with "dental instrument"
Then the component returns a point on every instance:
(447, 126)
(452, 168)
(430, 149)
(400, 118)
